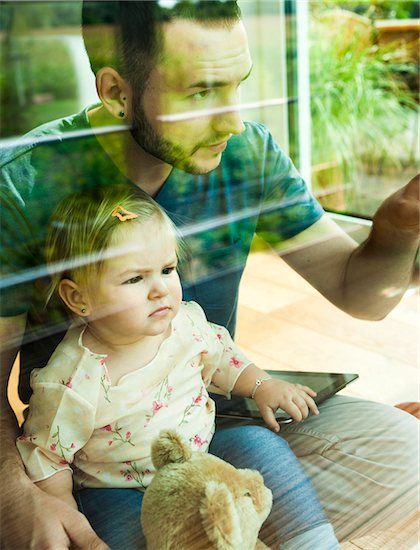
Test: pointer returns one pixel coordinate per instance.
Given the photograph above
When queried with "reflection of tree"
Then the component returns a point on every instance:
(377, 9)
(40, 15)
(99, 13)
(11, 92)
(36, 66)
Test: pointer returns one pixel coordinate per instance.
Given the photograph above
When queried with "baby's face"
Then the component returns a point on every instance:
(138, 292)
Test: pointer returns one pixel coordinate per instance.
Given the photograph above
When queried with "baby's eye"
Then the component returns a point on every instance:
(248, 494)
(133, 280)
(168, 270)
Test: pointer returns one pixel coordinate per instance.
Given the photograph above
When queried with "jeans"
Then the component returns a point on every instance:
(115, 513)
(362, 458)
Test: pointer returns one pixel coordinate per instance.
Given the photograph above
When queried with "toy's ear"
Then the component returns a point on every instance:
(255, 483)
(168, 448)
(220, 518)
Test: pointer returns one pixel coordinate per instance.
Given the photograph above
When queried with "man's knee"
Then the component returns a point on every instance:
(363, 460)
(356, 427)
(385, 443)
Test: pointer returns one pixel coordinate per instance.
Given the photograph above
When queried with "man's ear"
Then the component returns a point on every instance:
(114, 93)
(74, 297)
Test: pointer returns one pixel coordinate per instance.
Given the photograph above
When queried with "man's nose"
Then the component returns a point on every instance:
(229, 121)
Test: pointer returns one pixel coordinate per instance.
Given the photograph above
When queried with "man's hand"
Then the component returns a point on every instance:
(399, 213)
(295, 399)
(31, 519)
(366, 280)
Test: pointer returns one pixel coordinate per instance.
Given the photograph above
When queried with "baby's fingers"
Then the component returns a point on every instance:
(307, 390)
(300, 401)
(269, 418)
(295, 409)
(311, 404)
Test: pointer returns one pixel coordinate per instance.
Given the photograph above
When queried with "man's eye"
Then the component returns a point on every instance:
(168, 270)
(133, 280)
(200, 96)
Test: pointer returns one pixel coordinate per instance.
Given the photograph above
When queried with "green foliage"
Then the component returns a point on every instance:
(375, 9)
(41, 68)
(36, 115)
(39, 15)
(46, 73)
(360, 102)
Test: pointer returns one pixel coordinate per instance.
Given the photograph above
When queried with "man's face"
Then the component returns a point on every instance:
(200, 69)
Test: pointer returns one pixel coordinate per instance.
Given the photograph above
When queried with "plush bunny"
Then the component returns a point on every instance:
(197, 501)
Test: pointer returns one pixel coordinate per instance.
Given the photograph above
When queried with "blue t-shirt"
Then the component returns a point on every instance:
(255, 190)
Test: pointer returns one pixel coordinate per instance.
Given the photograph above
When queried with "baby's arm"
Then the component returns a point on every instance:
(272, 394)
(233, 372)
(60, 485)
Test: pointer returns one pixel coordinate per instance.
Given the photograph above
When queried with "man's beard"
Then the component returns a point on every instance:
(149, 140)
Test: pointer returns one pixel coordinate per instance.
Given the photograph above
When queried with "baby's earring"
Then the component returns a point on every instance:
(83, 310)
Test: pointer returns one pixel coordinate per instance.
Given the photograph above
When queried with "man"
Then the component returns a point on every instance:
(221, 181)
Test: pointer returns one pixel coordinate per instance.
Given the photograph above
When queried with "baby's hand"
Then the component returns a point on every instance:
(295, 399)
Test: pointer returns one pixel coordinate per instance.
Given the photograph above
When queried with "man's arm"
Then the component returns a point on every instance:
(30, 518)
(366, 281)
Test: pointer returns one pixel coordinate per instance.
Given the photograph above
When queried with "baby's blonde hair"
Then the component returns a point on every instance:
(82, 228)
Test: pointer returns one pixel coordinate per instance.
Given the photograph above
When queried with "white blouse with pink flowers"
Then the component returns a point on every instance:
(78, 420)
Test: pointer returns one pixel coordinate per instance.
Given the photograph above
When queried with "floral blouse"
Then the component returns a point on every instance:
(103, 432)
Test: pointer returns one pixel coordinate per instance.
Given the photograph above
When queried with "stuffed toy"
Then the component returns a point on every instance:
(197, 501)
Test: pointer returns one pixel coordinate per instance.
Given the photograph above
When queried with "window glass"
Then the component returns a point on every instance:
(364, 84)
(46, 75)
(45, 71)
(264, 94)
(363, 59)
(334, 82)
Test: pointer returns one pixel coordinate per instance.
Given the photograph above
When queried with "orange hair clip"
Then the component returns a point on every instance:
(122, 214)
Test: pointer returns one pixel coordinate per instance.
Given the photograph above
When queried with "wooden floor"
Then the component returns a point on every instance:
(285, 324)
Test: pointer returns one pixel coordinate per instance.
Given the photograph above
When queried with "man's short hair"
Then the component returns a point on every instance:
(124, 34)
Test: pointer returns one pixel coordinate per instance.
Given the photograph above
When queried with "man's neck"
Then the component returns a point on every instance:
(146, 171)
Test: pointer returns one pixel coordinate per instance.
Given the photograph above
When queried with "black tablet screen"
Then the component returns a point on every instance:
(326, 384)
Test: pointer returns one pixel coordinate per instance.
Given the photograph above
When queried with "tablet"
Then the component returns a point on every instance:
(326, 384)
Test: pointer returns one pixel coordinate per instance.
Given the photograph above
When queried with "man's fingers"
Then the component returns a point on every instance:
(412, 189)
(83, 537)
(53, 543)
